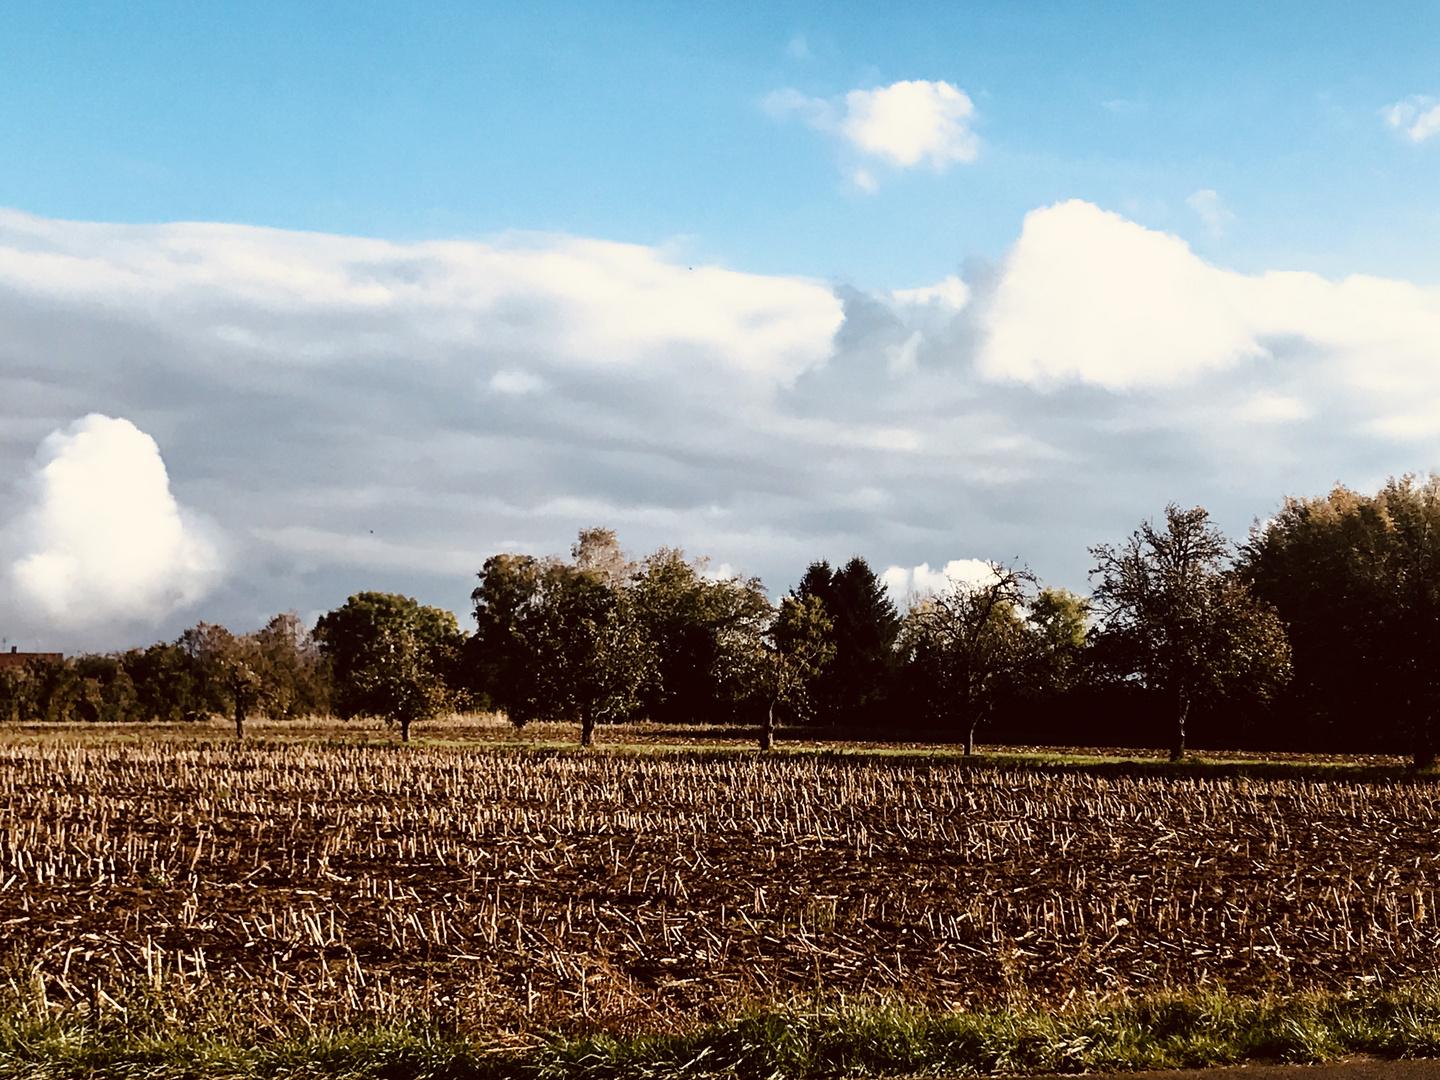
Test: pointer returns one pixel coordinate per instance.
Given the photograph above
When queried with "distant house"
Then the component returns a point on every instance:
(16, 658)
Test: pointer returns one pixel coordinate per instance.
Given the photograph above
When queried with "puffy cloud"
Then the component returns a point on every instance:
(900, 125)
(1088, 296)
(1417, 118)
(907, 122)
(105, 540)
(909, 583)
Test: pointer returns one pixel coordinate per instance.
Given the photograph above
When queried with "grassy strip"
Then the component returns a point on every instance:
(1167, 1031)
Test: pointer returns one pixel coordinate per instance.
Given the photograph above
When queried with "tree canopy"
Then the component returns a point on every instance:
(1357, 580)
(390, 654)
(560, 641)
(865, 626)
(969, 647)
(1173, 618)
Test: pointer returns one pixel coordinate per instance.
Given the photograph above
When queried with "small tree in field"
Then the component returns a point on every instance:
(561, 641)
(247, 688)
(780, 665)
(227, 671)
(1175, 619)
(969, 645)
(388, 654)
(397, 680)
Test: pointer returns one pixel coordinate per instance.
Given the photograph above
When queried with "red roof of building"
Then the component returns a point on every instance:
(16, 658)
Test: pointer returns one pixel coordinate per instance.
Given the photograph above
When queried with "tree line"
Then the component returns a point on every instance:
(278, 669)
(1317, 632)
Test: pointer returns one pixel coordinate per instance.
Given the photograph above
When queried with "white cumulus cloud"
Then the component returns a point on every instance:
(105, 540)
(907, 122)
(901, 125)
(1417, 118)
(1088, 296)
(909, 583)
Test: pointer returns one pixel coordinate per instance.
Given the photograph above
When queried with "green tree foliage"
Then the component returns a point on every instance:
(207, 670)
(294, 676)
(866, 626)
(1059, 623)
(700, 629)
(222, 665)
(169, 684)
(42, 691)
(206, 648)
(388, 656)
(778, 666)
(1177, 621)
(970, 647)
(513, 635)
(277, 670)
(562, 641)
(163, 682)
(1357, 580)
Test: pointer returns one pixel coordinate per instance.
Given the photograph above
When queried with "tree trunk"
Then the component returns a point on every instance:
(1182, 710)
(767, 727)
(405, 730)
(587, 728)
(970, 739)
(239, 717)
(1425, 743)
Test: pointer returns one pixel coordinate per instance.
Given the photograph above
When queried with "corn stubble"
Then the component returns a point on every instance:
(513, 890)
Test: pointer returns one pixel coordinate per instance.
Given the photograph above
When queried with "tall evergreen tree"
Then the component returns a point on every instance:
(853, 688)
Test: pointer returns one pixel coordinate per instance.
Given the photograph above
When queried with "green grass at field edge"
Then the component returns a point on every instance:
(1171, 1030)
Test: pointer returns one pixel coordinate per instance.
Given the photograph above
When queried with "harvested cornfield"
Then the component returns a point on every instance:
(624, 892)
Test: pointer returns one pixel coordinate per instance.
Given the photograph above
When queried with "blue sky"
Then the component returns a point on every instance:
(642, 123)
(351, 296)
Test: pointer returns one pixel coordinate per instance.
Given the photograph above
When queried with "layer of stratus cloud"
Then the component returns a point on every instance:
(901, 126)
(105, 540)
(353, 413)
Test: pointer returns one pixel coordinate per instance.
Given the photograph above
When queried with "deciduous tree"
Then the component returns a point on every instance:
(779, 666)
(387, 654)
(1357, 580)
(969, 646)
(1174, 619)
(699, 627)
(561, 641)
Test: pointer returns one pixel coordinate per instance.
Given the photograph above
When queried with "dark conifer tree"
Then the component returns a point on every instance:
(853, 688)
